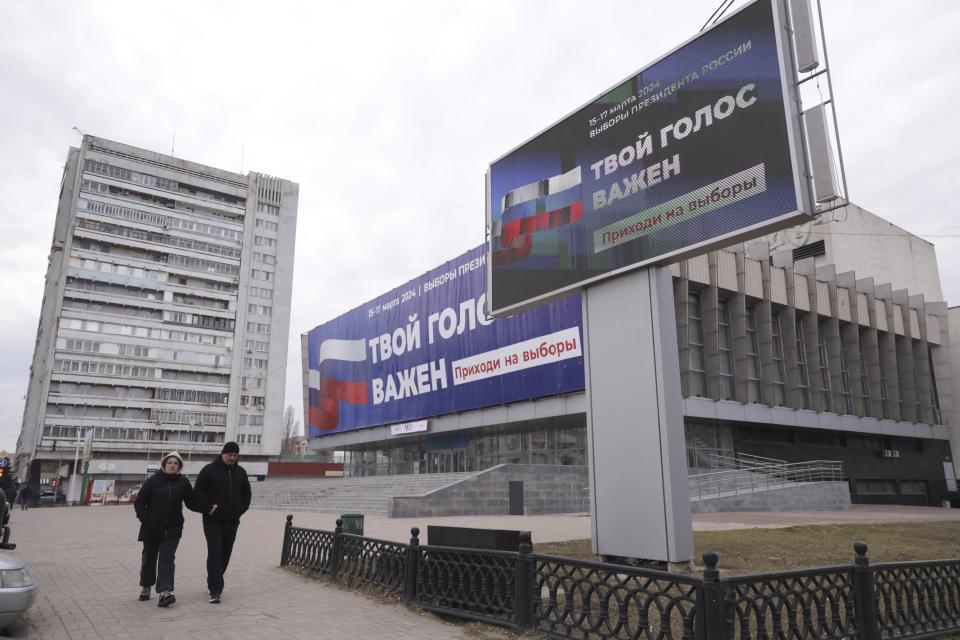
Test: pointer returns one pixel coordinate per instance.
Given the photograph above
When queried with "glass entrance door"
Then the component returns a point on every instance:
(446, 460)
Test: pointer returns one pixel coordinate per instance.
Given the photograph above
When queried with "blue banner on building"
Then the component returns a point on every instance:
(426, 348)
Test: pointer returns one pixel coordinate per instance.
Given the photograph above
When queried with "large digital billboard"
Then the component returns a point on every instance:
(427, 348)
(698, 150)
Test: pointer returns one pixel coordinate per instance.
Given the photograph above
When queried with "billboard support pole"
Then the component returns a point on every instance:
(639, 494)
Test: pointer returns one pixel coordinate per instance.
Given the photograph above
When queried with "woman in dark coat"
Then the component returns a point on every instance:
(159, 508)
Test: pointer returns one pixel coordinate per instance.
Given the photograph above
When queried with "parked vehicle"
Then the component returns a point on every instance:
(50, 498)
(18, 591)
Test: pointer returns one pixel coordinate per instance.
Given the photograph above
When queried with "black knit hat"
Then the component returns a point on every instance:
(231, 447)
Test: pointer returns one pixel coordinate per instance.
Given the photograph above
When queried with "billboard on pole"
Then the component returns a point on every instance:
(427, 348)
(698, 150)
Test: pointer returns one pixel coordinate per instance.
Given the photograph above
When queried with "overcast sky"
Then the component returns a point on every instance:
(387, 114)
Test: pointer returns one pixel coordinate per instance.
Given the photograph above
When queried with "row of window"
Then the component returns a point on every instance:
(122, 192)
(158, 219)
(144, 351)
(197, 301)
(145, 332)
(111, 309)
(257, 274)
(116, 251)
(266, 225)
(159, 238)
(115, 268)
(197, 396)
(875, 487)
(104, 288)
(258, 327)
(88, 367)
(259, 309)
(263, 241)
(252, 401)
(247, 382)
(257, 345)
(248, 438)
(255, 363)
(120, 173)
(185, 416)
(261, 292)
(264, 258)
(197, 320)
(263, 207)
(199, 264)
(131, 434)
(255, 420)
(727, 370)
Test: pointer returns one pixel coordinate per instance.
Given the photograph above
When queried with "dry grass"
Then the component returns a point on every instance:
(759, 550)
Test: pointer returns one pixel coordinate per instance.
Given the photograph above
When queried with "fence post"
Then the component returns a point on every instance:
(285, 549)
(335, 553)
(865, 605)
(413, 560)
(712, 622)
(524, 614)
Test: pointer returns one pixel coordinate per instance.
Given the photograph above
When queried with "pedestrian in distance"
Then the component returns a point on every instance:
(159, 507)
(222, 482)
(26, 495)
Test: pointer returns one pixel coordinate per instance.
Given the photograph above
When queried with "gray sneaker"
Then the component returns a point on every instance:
(214, 598)
(144, 593)
(166, 599)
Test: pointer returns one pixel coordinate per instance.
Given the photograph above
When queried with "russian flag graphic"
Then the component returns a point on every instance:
(538, 206)
(340, 376)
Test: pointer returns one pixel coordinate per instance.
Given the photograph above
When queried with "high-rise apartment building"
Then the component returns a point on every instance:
(164, 319)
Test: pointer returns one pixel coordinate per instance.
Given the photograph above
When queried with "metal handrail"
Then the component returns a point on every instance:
(754, 475)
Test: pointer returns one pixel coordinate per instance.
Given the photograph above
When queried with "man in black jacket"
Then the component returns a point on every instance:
(224, 483)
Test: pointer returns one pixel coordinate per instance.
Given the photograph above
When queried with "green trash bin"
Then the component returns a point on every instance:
(352, 523)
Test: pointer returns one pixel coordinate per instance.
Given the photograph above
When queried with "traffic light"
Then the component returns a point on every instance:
(53, 484)
(3, 472)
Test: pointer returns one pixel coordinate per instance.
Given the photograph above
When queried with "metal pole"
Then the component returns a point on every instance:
(83, 484)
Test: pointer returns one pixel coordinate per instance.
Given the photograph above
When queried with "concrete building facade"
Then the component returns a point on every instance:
(165, 316)
(823, 342)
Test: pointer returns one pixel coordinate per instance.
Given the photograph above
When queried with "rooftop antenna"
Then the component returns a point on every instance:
(241, 157)
(173, 143)
(80, 133)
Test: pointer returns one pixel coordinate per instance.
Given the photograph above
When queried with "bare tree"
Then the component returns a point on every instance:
(291, 430)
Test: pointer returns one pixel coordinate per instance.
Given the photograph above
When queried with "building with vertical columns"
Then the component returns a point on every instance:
(165, 316)
(827, 341)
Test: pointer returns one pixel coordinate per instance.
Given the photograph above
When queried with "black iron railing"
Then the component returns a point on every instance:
(568, 598)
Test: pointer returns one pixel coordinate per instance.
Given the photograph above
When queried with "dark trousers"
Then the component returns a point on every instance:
(220, 537)
(158, 564)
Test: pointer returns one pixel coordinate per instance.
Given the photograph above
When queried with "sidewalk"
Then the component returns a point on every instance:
(86, 563)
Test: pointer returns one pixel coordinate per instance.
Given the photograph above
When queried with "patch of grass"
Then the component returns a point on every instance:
(759, 550)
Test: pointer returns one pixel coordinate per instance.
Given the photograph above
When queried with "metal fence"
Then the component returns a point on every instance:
(569, 598)
(747, 474)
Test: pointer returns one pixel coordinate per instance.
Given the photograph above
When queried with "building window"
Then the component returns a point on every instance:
(934, 396)
(826, 389)
(725, 345)
(918, 415)
(779, 368)
(884, 397)
(754, 375)
(803, 377)
(864, 487)
(864, 377)
(845, 378)
(697, 368)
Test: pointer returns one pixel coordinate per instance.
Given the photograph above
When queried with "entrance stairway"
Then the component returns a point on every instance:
(736, 483)
(369, 495)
